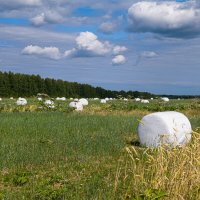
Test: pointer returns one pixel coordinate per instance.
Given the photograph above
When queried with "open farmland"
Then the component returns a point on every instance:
(94, 154)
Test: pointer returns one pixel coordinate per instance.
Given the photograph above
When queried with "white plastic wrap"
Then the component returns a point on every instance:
(168, 128)
(83, 101)
(21, 101)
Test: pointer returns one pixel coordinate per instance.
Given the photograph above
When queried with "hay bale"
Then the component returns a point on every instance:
(21, 101)
(49, 104)
(103, 101)
(83, 101)
(168, 128)
(137, 99)
(77, 105)
(165, 99)
(144, 101)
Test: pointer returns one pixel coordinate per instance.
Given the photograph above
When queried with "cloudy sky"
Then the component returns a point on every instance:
(149, 46)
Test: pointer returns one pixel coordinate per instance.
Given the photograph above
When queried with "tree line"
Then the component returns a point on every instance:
(16, 85)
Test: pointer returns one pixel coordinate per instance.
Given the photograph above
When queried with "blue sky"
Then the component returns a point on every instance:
(149, 45)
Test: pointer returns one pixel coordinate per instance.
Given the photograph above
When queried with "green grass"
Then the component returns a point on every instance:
(63, 154)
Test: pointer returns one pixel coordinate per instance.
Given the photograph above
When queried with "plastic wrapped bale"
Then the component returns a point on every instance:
(11, 98)
(168, 128)
(137, 99)
(72, 104)
(21, 101)
(103, 101)
(61, 99)
(83, 101)
(0, 99)
(79, 106)
(49, 104)
(165, 99)
(144, 101)
(39, 99)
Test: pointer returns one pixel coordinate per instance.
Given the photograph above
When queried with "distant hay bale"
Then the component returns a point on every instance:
(0, 99)
(77, 105)
(39, 99)
(60, 98)
(144, 101)
(21, 101)
(167, 128)
(83, 101)
(165, 99)
(49, 104)
(103, 101)
(137, 99)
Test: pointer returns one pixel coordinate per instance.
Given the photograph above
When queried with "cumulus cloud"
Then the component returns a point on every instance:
(88, 45)
(172, 19)
(145, 55)
(107, 27)
(47, 17)
(118, 60)
(47, 52)
(119, 49)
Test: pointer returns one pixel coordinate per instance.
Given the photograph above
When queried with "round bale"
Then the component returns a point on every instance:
(83, 101)
(164, 128)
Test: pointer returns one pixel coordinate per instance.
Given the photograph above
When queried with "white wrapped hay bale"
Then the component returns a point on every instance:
(77, 105)
(39, 99)
(144, 101)
(11, 98)
(168, 128)
(83, 101)
(137, 99)
(21, 101)
(165, 99)
(0, 99)
(49, 104)
(61, 99)
(103, 101)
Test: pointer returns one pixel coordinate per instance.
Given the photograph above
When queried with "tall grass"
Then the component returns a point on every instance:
(159, 173)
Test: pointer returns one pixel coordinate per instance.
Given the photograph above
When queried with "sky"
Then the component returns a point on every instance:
(151, 46)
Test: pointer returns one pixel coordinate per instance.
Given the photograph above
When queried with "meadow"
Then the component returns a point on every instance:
(55, 154)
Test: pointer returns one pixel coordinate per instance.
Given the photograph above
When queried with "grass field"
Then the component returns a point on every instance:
(61, 154)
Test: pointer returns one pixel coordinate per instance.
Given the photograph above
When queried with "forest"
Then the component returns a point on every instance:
(16, 85)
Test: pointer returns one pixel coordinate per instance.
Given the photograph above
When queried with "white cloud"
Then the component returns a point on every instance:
(118, 60)
(174, 19)
(119, 49)
(148, 54)
(38, 20)
(47, 17)
(47, 52)
(107, 27)
(88, 45)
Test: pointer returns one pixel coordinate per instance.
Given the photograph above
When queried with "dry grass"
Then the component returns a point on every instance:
(169, 173)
